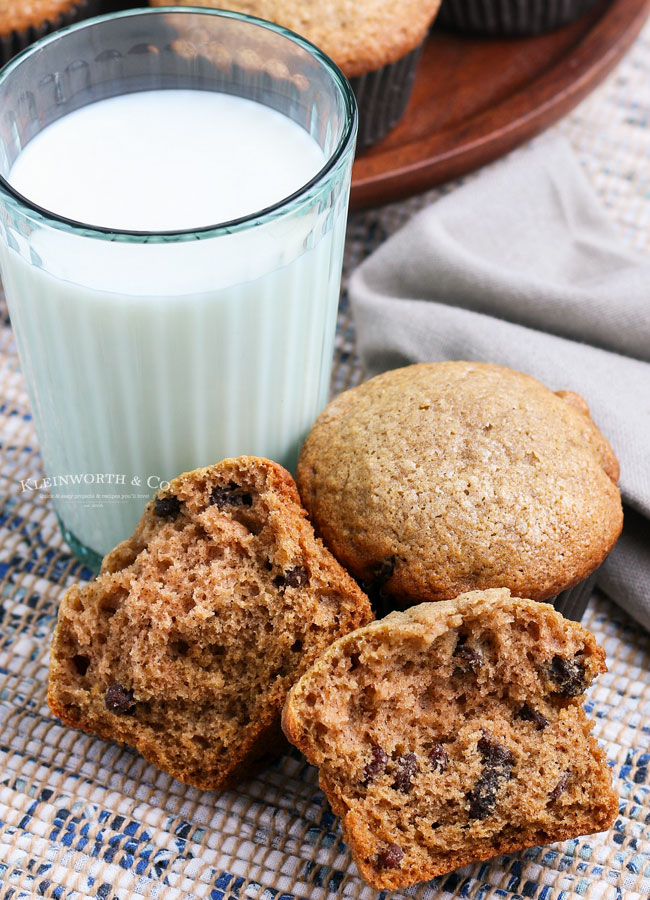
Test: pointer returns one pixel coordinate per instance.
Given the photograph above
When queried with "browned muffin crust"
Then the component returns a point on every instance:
(359, 35)
(18, 16)
(187, 643)
(454, 732)
(445, 477)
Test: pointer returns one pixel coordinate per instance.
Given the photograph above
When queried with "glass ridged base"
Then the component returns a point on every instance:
(84, 554)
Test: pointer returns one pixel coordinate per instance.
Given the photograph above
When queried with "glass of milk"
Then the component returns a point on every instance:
(173, 200)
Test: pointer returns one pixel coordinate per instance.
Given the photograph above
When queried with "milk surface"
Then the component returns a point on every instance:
(147, 359)
(166, 161)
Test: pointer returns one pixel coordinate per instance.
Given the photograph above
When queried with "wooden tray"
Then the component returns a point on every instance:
(477, 98)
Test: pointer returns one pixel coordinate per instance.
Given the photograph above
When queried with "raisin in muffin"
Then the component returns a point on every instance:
(440, 478)
(187, 643)
(377, 44)
(454, 732)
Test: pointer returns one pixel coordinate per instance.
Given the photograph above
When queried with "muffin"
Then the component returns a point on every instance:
(440, 478)
(376, 44)
(511, 17)
(23, 23)
(454, 732)
(186, 645)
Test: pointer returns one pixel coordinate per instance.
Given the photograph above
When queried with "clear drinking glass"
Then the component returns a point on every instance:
(223, 344)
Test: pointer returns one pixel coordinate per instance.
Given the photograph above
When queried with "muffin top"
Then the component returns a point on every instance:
(19, 16)
(359, 35)
(440, 478)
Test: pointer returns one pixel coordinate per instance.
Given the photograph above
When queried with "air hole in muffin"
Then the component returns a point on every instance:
(202, 742)
(81, 664)
(179, 648)
(108, 606)
(368, 699)
(158, 727)
(296, 647)
(188, 603)
(354, 661)
(533, 630)
(268, 627)
(311, 699)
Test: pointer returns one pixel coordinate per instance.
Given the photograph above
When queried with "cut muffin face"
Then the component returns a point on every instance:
(440, 478)
(454, 732)
(186, 645)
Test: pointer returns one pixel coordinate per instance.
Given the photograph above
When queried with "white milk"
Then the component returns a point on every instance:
(166, 161)
(148, 359)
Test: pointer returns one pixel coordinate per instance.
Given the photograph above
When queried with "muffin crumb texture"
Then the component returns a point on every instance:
(187, 643)
(454, 732)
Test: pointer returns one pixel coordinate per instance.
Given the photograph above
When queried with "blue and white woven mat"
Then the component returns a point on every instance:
(82, 818)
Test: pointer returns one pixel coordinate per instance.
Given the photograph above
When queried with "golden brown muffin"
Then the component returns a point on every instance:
(18, 15)
(22, 23)
(454, 732)
(359, 36)
(187, 643)
(445, 477)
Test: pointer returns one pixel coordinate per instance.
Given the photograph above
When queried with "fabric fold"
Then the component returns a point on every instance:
(521, 267)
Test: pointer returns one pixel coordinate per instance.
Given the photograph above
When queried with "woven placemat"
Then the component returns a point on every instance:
(80, 817)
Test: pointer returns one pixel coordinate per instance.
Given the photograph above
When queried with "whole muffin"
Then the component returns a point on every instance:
(377, 45)
(511, 18)
(23, 23)
(441, 478)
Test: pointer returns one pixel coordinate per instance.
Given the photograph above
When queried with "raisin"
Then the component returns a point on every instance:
(118, 700)
(560, 787)
(379, 574)
(295, 577)
(568, 675)
(495, 755)
(483, 796)
(232, 495)
(528, 714)
(168, 507)
(391, 857)
(377, 764)
(497, 768)
(438, 758)
(407, 767)
(473, 658)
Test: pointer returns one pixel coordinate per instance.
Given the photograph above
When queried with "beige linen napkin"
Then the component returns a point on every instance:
(521, 267)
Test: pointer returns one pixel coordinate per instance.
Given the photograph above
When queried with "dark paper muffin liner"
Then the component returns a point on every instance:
(382, 97)
(511, 17)
(15, 41)
(573, 603)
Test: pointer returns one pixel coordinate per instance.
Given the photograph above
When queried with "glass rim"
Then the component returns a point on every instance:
(260, 217)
